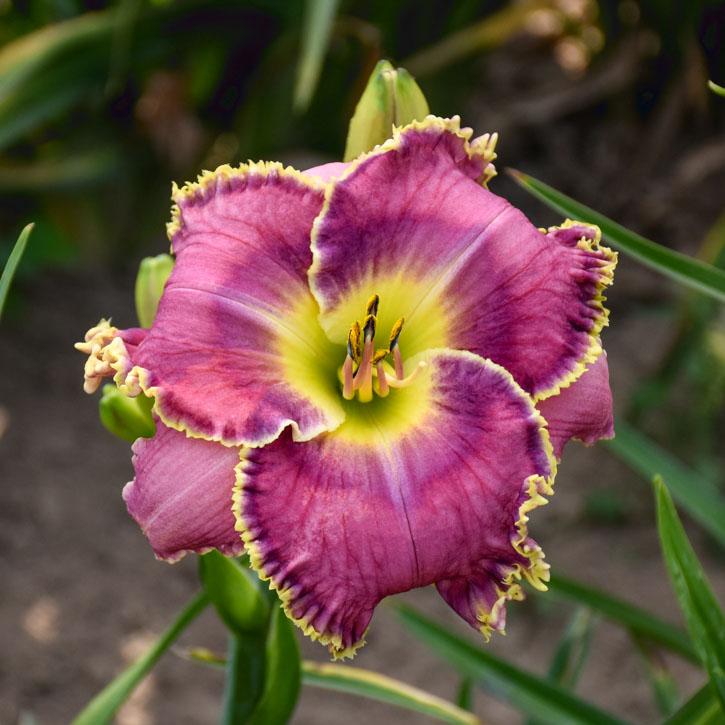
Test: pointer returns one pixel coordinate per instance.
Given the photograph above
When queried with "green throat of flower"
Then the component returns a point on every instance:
(367, 370)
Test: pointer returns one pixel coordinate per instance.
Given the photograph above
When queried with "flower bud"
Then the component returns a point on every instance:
(127, 418)
(391, 98)
(150, 280)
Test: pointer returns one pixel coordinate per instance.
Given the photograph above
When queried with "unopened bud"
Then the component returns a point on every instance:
(391, 98)
(150, 280)
(127, 418)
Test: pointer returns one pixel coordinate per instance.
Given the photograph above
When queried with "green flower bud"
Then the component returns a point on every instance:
(391, 98)
(127, 418)
(150, 280)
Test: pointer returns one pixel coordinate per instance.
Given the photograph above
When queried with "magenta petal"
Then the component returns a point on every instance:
(182, 494)
(462, 266)
(583, 410)
(326, 172)
(236, 323)
(431, 485)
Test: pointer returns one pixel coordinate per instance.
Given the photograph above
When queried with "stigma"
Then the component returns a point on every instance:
(366, 369)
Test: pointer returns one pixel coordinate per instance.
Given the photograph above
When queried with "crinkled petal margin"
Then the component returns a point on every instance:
(527, 558)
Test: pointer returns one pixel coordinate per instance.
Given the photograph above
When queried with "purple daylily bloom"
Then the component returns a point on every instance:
(350, 468)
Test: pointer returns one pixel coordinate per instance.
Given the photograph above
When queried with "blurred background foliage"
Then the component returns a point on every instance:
(102, 104)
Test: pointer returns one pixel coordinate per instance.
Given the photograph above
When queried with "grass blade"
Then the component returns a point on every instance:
(316, 30)
(639, 621)
(703, 708)
(694, 493)
(103, 706)
(12, 264)
(688, 271)
(533, 695)
(703, 615)
(376, 686)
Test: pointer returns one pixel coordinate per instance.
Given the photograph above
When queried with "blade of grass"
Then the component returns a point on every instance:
(532, 695)
(376, 686)
(688, 271)
(103, 706)
(703, 708)
(694, 493)
(316, 29)
(12, 264)
(660, 679)
(703, 615)
(571, 653)
(639, 621)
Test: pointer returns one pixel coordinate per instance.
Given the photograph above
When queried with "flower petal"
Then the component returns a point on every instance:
(235, 353)
(182, 494)
(428, 485)
(583, 410)
(327, 172)
(466, 269)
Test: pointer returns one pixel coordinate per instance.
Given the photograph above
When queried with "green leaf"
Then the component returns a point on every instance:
(464, 699)
(12, 264)
(316, 29)
(531, 694)
(703, 708)
(661, 680)
(245, 677)
(376, 686)
(571, 653)
(233, 591)
(103, 706)
(282, 673)
(715, 88)
(686, 270)
(695, 494)
(637, 620)
(703, 615)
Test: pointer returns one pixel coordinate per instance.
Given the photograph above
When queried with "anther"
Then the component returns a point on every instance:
(372, 306)
(397, 357)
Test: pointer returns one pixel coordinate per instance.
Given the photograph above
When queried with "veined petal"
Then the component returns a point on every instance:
(583, 410)
(429, 485)
(410, 223)
(181, 496)
(235, 353)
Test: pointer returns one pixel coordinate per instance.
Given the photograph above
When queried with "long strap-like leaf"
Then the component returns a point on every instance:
(686, 270)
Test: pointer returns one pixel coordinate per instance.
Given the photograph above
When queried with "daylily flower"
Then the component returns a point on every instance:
(356, 360)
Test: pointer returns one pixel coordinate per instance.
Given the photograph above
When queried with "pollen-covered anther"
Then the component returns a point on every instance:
(370, 362)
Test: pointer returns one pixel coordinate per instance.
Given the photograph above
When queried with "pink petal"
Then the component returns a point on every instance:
(236, 322)
(428, 486)
(182, 494)
(460, 264)
(583, 410)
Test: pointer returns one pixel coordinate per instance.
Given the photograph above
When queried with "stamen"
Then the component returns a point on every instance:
(383, 387)
(397, 357)
(348, 391)
(360, 378)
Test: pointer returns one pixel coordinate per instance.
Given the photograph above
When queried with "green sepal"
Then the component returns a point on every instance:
(233, 591)
(391, 98)
(127, 418)
(150, 280)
